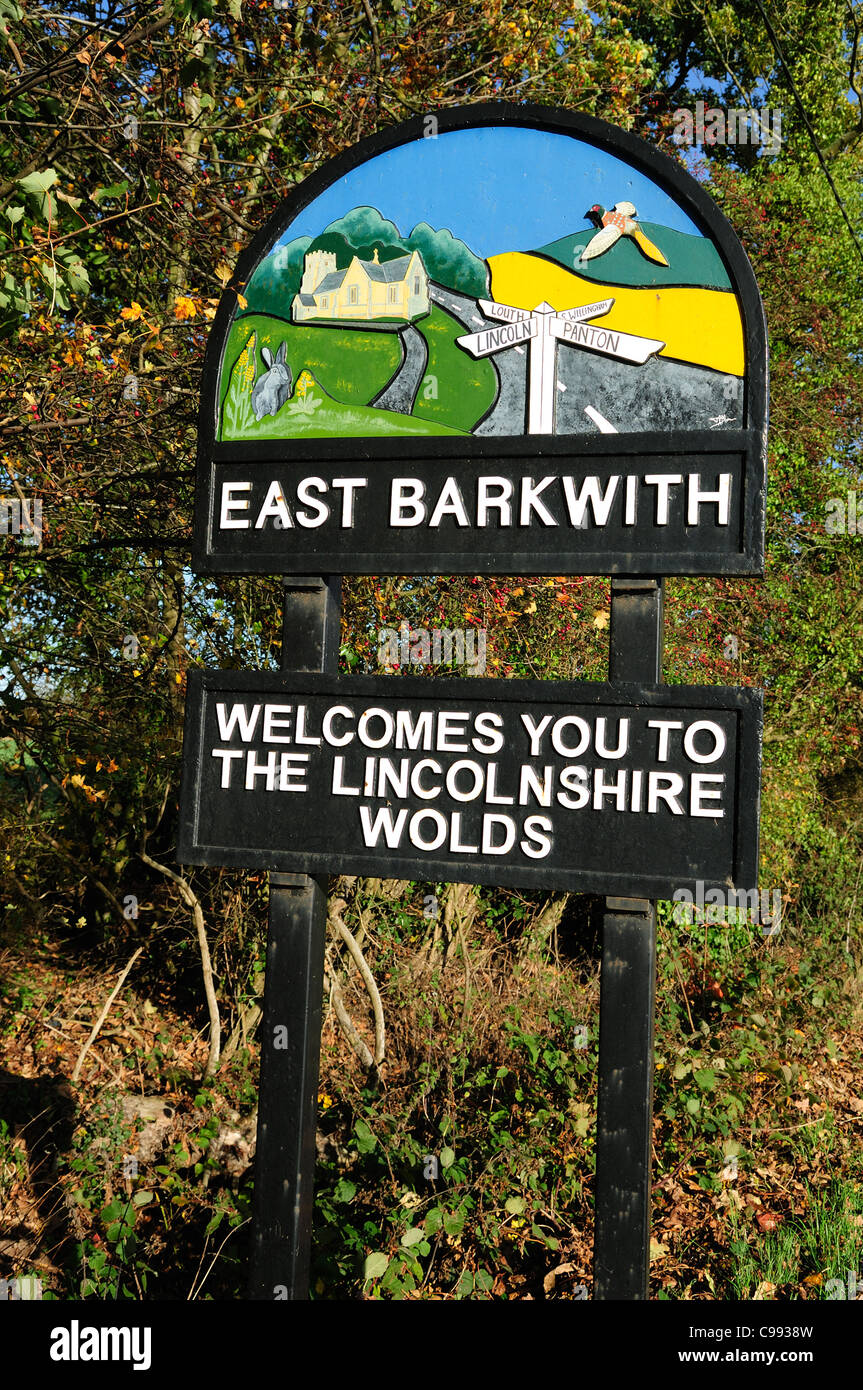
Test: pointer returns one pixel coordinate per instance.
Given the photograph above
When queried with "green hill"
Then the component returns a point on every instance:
(692, 260)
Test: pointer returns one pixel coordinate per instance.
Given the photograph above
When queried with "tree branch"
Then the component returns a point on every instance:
(192, 901)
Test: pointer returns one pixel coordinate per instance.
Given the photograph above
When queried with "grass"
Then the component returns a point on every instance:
(818, 1250)
(457, 390)
(351, 365)
(329, 417)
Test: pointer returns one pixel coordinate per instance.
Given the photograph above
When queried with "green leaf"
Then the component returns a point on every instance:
(9, 10)
(453, 1223)
(77, 276)
(366, 1141)
(433, 1221)
(15, 213)
(112, 190)
(376, 1265)
(141, 1199)
(706, 1079)
(344, 1191)
(464, 1287)
(413, 1237)
(235, 6)
(515, 1205)
(447, 1158)
(39, 181)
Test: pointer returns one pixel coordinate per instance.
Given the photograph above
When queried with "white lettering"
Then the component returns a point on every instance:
(238, 718)
(589, 493)
(320, 511)
(663, 725)
(407, 493)
(383, 824)
(488, 501)
(664, 786)
(535, 731)
(348, 487)
(694, 499)
(700, 791)
(489, 821)
(663, 482)
(226, 522)
(537, 845)
(530, 502)
(450, 503)
(718, 735)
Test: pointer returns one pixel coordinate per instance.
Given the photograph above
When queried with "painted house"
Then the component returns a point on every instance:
(372, 289)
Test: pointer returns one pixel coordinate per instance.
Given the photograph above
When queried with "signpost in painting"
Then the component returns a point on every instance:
(500, 340)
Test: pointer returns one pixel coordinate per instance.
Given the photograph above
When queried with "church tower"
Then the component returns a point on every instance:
(316, 266)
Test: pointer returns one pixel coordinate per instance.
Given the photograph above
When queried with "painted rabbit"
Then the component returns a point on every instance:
(272, 389)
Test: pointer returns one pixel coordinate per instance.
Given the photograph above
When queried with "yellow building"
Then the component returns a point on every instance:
(372, 289)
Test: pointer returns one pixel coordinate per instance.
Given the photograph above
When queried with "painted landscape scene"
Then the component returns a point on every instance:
(355, 333)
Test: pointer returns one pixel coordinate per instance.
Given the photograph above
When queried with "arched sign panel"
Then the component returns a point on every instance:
(502, 339)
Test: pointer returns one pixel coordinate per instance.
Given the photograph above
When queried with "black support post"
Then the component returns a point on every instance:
(621, 1250)
(293, 989)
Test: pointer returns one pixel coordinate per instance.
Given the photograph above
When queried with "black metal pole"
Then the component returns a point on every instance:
(621, 1247)
(293, 989)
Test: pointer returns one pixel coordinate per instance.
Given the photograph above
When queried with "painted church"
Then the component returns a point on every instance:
(374, 289)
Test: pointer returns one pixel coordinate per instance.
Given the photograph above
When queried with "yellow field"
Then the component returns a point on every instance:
(702, 327)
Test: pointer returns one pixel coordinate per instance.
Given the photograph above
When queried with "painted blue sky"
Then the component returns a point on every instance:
(498, 188)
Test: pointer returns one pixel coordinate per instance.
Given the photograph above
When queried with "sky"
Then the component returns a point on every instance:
(497, 188)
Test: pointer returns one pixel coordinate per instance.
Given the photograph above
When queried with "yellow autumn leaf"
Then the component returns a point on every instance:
(600, 618)
(184, 307)
(242, 301)
(133, 312)
(91, 794)
(223, 273)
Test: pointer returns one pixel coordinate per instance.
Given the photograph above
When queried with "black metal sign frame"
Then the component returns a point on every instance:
(369, 547)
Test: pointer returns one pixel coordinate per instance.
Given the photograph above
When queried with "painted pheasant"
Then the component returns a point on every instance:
(620, 221)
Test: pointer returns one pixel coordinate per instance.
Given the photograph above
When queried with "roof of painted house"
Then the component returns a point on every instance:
(333, 281)
(387, 271)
